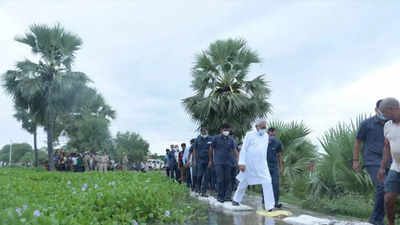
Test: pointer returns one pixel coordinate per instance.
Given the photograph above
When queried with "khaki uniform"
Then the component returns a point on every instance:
(96, 159)
(86, 163)
(124, 163)
(103, 163)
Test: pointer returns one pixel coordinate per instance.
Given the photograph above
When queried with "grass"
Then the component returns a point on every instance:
(350, 205)
(38, 197)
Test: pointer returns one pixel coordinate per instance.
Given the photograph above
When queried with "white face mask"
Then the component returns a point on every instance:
(204, 135)
(225, 133)
(261, 132)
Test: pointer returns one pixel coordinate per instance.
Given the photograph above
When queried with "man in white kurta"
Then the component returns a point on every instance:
(253, 165)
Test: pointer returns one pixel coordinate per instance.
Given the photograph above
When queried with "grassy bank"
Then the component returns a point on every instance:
(40, 197)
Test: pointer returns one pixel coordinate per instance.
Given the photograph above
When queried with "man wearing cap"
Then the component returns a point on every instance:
(370, 135)
(253, 166)
(390, 108)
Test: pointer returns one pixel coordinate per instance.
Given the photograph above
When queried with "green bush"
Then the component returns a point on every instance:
(92, 198)
(350, 204)
(333, 174)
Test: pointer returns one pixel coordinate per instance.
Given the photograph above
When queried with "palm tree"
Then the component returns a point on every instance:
(50, 77)
(222, 93)
(29, 123)
(298, 154)
(333, 174)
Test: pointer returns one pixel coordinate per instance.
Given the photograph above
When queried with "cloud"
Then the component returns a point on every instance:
(321, 58)
(344, 103)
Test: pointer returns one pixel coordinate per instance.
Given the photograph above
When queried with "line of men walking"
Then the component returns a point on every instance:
(213, 163)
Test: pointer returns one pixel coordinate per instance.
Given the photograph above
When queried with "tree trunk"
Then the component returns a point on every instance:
(35, 146)
(50, 130)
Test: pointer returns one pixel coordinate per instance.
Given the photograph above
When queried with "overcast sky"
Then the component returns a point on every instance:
(326, 61)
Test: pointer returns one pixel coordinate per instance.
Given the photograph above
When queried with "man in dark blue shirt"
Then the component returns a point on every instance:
(274, 159)
(166, 162)
(370, 135)
(173, 163)
(201, 149)
(220, 155)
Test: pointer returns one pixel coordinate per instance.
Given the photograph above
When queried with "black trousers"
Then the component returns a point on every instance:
(202, 177)
(175, 173)
(224, 181)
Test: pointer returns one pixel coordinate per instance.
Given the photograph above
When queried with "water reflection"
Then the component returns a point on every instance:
(217, 217)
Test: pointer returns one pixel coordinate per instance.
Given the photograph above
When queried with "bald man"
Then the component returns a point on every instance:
(253, 165)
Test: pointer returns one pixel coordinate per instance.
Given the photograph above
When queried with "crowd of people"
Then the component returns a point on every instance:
(218, 164)
(84, 162)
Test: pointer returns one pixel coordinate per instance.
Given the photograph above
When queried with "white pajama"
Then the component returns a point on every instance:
(269, 200)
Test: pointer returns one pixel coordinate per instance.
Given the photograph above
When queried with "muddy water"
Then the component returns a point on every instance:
(218, 216)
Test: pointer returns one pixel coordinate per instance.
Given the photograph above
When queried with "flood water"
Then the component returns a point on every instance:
(218, 216)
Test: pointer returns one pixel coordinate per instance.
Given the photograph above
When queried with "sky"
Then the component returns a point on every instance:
(325, 61)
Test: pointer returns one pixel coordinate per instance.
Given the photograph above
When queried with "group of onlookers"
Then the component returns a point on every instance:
(80, 162)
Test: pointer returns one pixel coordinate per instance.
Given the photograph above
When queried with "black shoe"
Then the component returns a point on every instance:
(278, 206)
(220, 200)
(228, 199)
(235, 203)
(270, 210)
(204, 195)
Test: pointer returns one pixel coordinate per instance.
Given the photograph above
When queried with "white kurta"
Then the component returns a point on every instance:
(254, 156)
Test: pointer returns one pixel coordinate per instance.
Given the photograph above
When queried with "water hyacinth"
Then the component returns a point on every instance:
(18, 210)
(99, 189)
(84, 187)
(69, 182)
(36, 213)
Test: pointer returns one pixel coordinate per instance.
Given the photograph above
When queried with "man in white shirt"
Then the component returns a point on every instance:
(253, 166)
(74, 160)
(390, 108)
